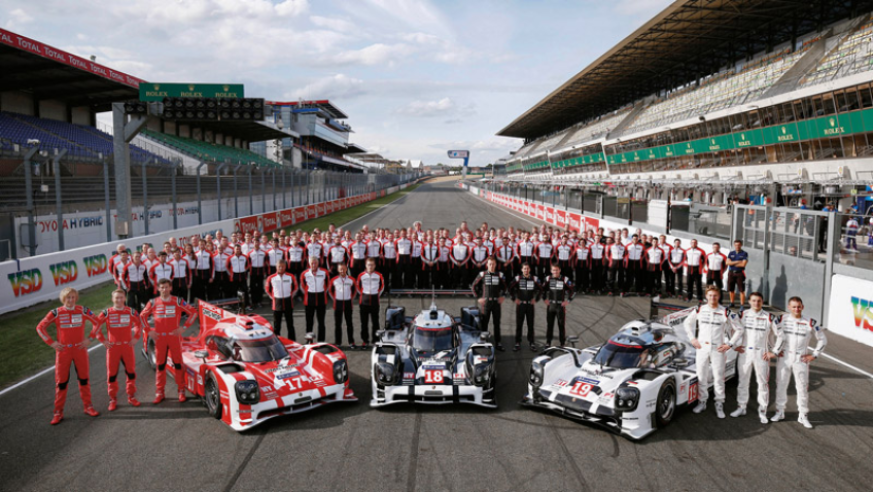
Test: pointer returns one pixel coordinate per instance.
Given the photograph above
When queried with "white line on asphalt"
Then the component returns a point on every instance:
(52, 368)
(41, 373)
(850, 366)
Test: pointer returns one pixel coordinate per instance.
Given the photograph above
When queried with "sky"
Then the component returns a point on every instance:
(417, 78)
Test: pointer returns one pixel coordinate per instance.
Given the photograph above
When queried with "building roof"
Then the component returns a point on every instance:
(325, 105)
(686, 41)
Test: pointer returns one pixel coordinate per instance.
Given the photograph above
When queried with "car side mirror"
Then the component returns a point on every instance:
(380, 334)
(680, 362)
(201, 354)
(572, 341)
(484, 336)
(309, 338)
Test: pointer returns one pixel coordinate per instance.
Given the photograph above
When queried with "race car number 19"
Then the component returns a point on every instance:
(580, 389)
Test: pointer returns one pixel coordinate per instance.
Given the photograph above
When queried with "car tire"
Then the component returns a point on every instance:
(212, 396)
(151, 353)
(665, 405)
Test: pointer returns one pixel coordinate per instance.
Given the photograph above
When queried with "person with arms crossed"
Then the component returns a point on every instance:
(794, 358)
(123, 326)
(71, 347)
(490, 288)
(557, 294)
(525, 292)
(708, 326)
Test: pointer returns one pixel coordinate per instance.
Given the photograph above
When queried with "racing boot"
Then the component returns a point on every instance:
(91, 411)
(132, 401)
(739, 412)
(779, 415)
(56, 418)
(113, 404)
(762, 415)
(804, 421)
(533, 347)
(159, 397)
(719, 409)
(182, 398)
(701, 406)
(517, 347)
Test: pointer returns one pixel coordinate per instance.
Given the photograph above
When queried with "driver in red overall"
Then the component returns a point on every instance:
(123, 325)
(167, 311)
(71, 347)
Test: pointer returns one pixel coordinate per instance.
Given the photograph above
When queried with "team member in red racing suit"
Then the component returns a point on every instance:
(119, 320)
(70, 347)
(167, 311)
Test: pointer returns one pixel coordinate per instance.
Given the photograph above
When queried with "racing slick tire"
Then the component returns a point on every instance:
(665, 406)
(150, 353)
(212, 396)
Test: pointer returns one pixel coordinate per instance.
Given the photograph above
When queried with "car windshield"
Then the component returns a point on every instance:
(264, 350)
(432, 340)
(621, 356)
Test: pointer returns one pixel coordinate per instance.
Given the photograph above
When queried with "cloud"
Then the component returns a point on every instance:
(333, 24)
(292, 8)
(18, 17)
(339, 86)
(432, 109)
(375, 54)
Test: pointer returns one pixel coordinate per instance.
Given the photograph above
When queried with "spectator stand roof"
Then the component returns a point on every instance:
(685, 42)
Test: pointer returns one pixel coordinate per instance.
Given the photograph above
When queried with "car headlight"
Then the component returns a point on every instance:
(247, 392)
(627, 399)
(385, 373)
(481, 374)
(536, 374)
(340, 371)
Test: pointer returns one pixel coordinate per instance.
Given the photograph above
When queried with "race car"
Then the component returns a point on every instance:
(633, 384)
(245, 374)
(433, 358)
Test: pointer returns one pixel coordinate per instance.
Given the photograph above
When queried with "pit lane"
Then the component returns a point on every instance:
(403, 447)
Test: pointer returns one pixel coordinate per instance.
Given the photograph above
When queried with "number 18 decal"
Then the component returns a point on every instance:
(581, 389)
(433, 376)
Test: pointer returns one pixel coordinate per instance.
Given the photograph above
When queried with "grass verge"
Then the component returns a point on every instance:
(22, 351)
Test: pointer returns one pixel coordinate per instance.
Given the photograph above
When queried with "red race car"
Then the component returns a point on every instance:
(246, 374)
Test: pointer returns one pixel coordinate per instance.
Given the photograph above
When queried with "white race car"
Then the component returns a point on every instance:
(632, 384)
(433, 358)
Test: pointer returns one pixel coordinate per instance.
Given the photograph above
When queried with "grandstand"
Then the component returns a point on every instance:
(208, 151)
(681, 95)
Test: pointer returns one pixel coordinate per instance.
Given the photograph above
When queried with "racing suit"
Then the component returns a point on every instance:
(168, 316)
(761, 329)
(70, 329)
(525, 291)
(491, 287)
(119, 348)
(711, 325)
(556, 291)
(796, 333)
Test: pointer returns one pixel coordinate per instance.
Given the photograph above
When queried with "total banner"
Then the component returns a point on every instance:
(850, 308)
(41, 278)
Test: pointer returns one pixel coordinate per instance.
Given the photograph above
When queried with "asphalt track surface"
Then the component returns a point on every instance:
(353, 447)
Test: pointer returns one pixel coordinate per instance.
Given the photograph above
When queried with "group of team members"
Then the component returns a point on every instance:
(337, 269)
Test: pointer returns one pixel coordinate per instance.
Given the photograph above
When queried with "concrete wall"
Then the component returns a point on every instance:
(17, 102)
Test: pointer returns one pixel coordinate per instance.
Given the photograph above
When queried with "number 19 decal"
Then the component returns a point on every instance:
(581, 389)
(433, 376)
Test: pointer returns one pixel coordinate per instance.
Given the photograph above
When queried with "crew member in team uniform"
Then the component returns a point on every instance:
(370, 284)
(71, 347)
(635, 266)
(204, 272)
(615, 264)
(296, 257)
(430, 256)
(337, 255)
(314, 283)
(221, 288)
(136, 282)
(598, 254)
(674, 269)
(444, 267)
(275, 254)
(460, 257)
(505, 254)
(557, 293)
(390, 269)
(123, 326)
(160, 270)
(415, 271)
(582, 266)
(238, 266)
(167, 311)
(342, 291)
(695, 258)
(714, 266)
(545, 251)
(259, 269)
(525, 292)
(490, 288)
(281, 287)
(479, 255)
(654, 258)
(358, 254)
(564, 256)
(181, 275)
(118, 269)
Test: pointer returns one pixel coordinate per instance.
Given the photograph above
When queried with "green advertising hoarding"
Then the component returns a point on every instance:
(157, 91)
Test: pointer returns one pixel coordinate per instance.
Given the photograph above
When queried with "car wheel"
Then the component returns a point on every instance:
(665, 406)
(212, 397)
(150, 354)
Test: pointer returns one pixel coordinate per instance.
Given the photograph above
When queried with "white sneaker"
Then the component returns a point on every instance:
(763, 417)
(779, 415)
(701, 406)
(804, 421)
(739, 412)
(719, 409)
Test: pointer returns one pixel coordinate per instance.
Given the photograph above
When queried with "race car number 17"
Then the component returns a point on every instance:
(580, 389)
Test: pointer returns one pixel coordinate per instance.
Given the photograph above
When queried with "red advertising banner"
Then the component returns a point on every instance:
(247, 225)
(591, 224)
(550, 215)
(311, 212)
(286, 218)
(347, 203)
(373, 195)
(299, 215)
(269, 222)
(328, 207)
(319, 208)
(31, 46)
(575, 222)
(541, 212)
(561, 218)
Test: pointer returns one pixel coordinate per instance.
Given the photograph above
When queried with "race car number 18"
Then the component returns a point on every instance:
(581, 389)
(433, 377)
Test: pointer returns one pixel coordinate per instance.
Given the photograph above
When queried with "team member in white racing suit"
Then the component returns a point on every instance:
(711, 321)
(794, 358)
(761, 331)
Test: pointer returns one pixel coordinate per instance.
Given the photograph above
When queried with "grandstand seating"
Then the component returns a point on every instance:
(853, 54)
(80, 141)
(597, 128)
(206, 151)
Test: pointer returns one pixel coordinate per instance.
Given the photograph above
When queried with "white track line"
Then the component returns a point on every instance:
(831, 357)
(52, 368)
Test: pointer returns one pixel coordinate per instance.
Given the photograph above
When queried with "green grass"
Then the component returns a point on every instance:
(24, 353)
